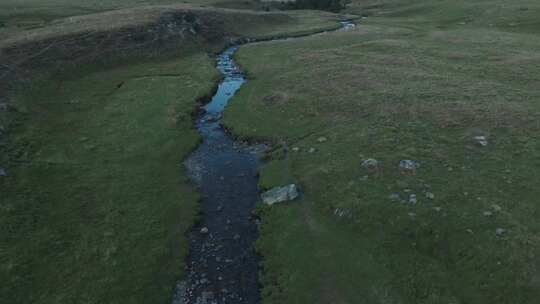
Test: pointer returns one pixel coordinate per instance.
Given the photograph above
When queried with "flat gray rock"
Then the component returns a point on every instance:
(280, 194)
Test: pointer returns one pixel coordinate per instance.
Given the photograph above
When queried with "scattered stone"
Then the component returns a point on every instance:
(204, 230)
(312, 150)
(481, 140)
(236, 237)
(364, 178)
(219, 208)
(496, 207)
(409, 165)
(207, 297)
(322, 139)
(342, 212)
(438, 209)
(500, 231)
(395, 197)
(412, 199)
(296, 149)
(211, 118)
(3, 172)
(370, 164)
(470, 231)
(412, 214)
(280, 194)
(180, 294)
(228, 222)
(488, 213)
(430, 195)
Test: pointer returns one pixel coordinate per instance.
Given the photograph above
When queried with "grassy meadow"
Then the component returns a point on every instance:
(95, 203)
(418, 80)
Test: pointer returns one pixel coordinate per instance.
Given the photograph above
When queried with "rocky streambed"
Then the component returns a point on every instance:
(223, 265)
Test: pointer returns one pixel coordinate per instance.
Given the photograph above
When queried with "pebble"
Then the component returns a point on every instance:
(236, 237)
(204, 230)
(370, 163)
(296, 149)
(312, 150)
(3, 172)
(322, 139)
(496, 207)
(412, 199)
(430, 195)
(500, 231)
(488, 213)
(395, 197)
(481, 140)
(409, 165)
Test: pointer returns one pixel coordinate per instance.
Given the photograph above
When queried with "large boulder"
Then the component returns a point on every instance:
(280, 194)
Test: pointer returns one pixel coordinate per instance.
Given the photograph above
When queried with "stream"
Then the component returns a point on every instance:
(223, 266)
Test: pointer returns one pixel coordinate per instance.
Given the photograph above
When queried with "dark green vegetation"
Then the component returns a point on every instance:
(95, 204)
(416, 80)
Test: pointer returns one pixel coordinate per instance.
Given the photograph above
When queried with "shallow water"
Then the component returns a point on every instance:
(223, 265)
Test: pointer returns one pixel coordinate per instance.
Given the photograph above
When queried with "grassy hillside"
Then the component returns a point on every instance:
(520, 16)
(417, 80)
(95, 203)
(17, 16)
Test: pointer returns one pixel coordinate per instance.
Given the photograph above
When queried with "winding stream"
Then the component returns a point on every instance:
(223, 266)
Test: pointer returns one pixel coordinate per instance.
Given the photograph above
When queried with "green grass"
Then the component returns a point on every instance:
(96, 204)
(17, 16)
(411, 82)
